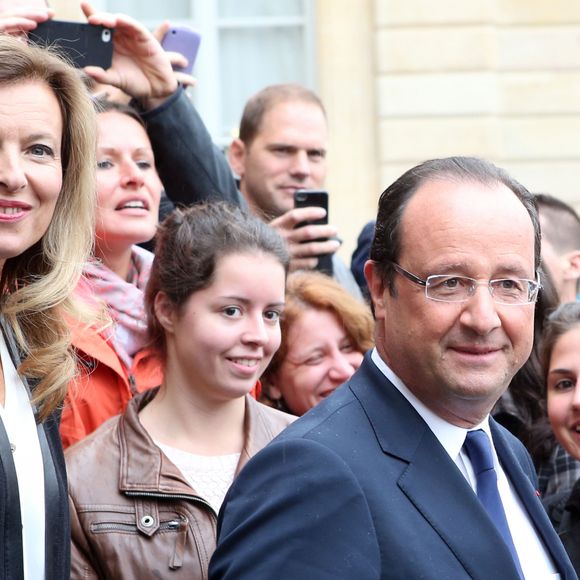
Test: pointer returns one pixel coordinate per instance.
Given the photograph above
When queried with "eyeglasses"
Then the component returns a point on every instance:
(451, 288)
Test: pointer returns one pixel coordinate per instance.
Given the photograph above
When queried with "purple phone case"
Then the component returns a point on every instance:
(184, 40)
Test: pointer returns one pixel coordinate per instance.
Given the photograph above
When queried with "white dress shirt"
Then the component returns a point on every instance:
(535, 561)
(20, 427)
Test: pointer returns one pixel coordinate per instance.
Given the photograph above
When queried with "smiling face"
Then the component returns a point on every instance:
(563, 390)
(457, 358)
(224, 336)
(30, 164)
(320, 357)
(128, 187)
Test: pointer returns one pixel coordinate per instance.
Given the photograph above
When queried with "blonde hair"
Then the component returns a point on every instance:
(37, 284)
(313, 290)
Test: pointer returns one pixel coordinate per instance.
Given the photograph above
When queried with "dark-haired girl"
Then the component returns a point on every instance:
(561, 357)
(145, 488)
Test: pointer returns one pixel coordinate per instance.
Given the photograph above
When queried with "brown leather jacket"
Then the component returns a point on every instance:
(133, 513)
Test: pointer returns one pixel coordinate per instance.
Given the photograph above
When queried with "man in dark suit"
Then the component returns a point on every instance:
(402, 473)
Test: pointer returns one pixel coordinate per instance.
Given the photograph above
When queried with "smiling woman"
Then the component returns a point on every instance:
(325, 333)
(31, 164)
(116, 362)
(214, 300)
(128, 186)
(46, 212)
(128, 193)
(561, 358)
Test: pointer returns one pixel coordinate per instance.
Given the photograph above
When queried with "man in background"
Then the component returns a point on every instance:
(281, 148)
(560, 244)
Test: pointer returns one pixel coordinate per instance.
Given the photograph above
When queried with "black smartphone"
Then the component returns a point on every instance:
(83, 44)
(315, 198)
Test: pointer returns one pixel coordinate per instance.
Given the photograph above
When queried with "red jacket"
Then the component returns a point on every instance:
(103, 387)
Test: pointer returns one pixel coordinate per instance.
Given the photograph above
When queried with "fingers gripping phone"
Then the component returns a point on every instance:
(84, 44)
(315, 198)
(184, 40)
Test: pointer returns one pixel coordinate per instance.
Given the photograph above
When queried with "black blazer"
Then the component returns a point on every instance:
(564, 512)
(57, 520)
(361, 488)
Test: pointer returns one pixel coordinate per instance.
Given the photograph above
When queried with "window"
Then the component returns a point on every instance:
(245, 46)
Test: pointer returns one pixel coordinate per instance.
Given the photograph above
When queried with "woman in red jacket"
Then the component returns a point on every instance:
(114, 363)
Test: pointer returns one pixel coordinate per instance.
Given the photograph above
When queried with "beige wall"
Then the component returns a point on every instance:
(346, 75)
(500, 79)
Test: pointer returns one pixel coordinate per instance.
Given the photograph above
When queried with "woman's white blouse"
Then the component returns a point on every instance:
(18, 419)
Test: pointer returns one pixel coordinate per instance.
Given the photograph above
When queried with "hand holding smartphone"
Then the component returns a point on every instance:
(315, 198)
(84, 44)
(312, 198)
(184, 40)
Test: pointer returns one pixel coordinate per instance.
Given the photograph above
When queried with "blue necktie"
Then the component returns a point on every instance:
(478, 448)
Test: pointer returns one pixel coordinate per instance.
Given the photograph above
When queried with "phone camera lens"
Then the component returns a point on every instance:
(106, 35)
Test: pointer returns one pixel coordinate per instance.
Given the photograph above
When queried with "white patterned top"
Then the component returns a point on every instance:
(18, 419)
(209, 475)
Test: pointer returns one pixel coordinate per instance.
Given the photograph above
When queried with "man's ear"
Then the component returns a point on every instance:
(237, 157)
(572, 269)
(376, 288)
(164, 311)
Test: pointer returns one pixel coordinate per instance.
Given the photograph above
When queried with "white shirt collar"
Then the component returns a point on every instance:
(534, 558)
(450, 436)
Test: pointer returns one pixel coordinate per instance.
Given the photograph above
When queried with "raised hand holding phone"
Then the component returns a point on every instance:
(140, 66)
(304, 241)
(315, 198)
(312, 198)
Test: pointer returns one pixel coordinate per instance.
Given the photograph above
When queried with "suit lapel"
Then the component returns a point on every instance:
(432, 482)
(439, 491)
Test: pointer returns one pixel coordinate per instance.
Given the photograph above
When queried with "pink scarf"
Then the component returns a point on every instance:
(125, 300)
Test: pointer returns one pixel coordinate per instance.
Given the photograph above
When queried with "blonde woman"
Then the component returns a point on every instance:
(47, 144)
